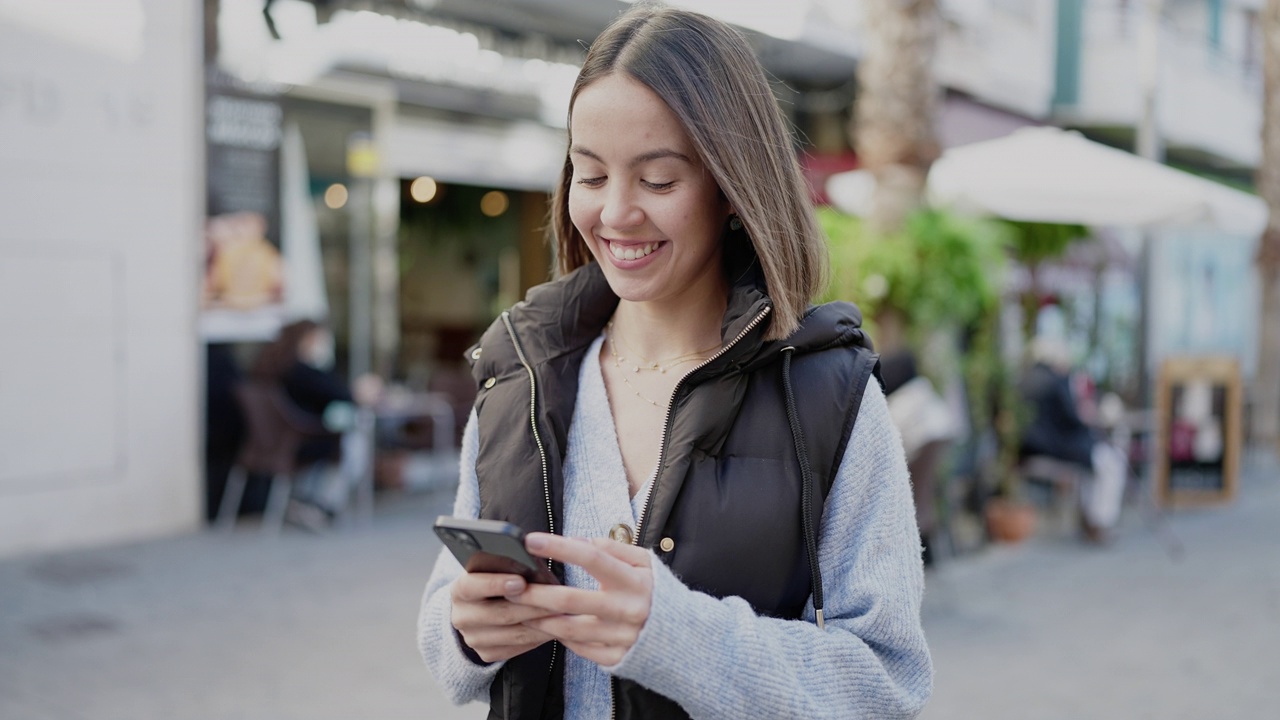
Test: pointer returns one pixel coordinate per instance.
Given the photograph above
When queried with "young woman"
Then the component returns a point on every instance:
(702, 455)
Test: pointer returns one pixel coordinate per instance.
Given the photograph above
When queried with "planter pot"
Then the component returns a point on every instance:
(1010, 521)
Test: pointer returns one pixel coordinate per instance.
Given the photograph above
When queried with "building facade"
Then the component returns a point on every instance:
(100, 190)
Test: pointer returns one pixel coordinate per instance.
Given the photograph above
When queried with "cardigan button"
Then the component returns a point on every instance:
(475, 354)
(621, 533)
(490, 383)
(667, 544)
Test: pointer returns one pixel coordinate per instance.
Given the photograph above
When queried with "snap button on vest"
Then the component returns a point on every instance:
(667, 544)
(622, 533)
(490, 383)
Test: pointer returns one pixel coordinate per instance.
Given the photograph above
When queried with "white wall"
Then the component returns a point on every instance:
(1001, 52)
(1206, 99)
(101, 195)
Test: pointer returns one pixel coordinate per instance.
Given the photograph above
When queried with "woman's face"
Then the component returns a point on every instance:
(649, 210)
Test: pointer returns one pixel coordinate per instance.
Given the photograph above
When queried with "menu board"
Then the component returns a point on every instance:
(1200, 415)
(243, 291)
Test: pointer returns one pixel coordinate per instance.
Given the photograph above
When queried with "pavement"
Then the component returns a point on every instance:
(220, 627)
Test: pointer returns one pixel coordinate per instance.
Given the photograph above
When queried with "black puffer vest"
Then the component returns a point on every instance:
(753, 439)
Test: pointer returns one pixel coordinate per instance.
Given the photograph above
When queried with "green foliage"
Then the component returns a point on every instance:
(1034, 242)
(945, 271)
(941, 270)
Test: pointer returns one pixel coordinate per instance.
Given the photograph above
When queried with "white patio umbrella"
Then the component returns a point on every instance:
(1047, 174)
(304, 286)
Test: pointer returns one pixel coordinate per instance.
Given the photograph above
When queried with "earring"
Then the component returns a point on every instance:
(735, 223)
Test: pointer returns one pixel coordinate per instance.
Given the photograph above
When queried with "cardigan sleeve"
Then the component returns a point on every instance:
(463, 680)
(718, 659)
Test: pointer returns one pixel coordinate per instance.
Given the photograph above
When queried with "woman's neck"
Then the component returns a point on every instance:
(670, 329)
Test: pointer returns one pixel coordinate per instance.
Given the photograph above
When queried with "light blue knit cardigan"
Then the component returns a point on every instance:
(716, 657)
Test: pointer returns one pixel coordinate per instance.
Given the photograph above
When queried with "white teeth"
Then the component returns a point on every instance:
(632, 253)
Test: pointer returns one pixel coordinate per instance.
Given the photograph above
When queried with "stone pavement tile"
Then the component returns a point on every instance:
(1055, 629)
(218, 627)
(221, 627)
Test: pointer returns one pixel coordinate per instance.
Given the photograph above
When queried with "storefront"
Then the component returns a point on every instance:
(411, 200)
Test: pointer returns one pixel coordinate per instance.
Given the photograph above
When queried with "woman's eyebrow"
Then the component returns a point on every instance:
(637, 160)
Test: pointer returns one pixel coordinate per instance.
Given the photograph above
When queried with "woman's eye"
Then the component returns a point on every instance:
(592, 182)
(658, 186)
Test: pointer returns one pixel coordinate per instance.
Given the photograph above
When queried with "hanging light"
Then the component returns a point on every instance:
(494, 203)
(335, 196)
(423, 189)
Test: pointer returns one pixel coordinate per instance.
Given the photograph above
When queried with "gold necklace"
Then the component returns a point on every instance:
(617, 363)
(661, 366)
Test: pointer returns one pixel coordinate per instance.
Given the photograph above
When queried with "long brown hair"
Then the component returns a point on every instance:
(706, 73)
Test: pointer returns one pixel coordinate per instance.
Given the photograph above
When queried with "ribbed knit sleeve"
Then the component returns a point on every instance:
(463, 680)
(718, 659)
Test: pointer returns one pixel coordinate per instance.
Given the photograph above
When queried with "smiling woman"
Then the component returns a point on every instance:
(701, 457)
(646, 207)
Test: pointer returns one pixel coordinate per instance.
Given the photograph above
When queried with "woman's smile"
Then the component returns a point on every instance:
(631, 254)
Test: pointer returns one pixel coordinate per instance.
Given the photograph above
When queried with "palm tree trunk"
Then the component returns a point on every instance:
(894, 123)
(1266, 408)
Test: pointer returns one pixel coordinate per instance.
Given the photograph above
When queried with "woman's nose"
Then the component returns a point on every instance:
(620, 209)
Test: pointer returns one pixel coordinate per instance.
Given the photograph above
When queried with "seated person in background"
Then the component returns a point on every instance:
(301, 361)
(1057, 431)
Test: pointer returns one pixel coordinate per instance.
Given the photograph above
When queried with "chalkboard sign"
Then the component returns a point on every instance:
(1199, 411)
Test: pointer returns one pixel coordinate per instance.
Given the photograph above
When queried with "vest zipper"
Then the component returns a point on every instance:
(666, 423)
(662, 456)
(537, 438)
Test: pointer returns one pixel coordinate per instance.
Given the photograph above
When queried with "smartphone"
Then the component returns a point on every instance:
(492, 546)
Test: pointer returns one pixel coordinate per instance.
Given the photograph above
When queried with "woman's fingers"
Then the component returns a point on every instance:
(626, 607)
(632, 555)
(473, 587)
(496, 613)
(586, 629)
(489, 624)
(501, 615)
(611, 563)
(489, 638)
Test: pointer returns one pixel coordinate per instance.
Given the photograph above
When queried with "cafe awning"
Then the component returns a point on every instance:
(1047, 174)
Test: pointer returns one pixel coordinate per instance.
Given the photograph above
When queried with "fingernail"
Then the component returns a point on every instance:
(513, 586)
(535, 542)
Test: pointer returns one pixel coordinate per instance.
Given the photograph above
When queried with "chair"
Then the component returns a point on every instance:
(274, 429)
(1063, 481)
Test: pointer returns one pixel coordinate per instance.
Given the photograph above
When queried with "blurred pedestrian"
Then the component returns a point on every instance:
(732, 544)
(1058, 431)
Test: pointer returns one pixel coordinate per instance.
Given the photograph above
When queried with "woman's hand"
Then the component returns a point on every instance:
(491, 625)
(598, 625)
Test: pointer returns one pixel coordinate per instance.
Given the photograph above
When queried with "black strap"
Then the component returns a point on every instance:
(807, 520)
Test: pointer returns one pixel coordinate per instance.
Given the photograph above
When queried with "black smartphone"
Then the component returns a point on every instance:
(492, 546)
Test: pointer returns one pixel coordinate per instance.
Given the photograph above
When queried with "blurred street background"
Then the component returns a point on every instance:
(245, 246)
